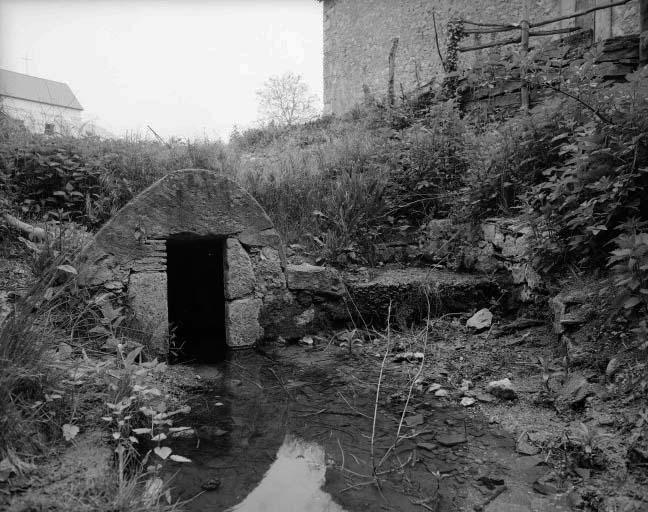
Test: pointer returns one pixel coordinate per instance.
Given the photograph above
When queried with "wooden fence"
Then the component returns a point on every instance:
(529, 29)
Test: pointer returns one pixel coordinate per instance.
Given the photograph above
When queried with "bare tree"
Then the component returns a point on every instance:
(286, 100)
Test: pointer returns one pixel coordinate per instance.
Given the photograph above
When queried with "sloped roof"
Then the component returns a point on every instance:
(26, 87)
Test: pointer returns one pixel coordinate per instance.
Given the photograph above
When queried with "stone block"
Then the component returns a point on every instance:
(265, 238)
(239, 275)
(147, 292)
(268, 270)
(315, 279)
(242, 319)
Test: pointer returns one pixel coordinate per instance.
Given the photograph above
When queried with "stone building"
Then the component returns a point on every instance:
(358, 36)
(195, 256)
(44, 106)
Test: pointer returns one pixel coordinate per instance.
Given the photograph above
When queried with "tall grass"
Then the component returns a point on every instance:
(25, 373)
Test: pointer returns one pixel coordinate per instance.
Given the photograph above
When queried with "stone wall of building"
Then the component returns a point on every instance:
(358, 36)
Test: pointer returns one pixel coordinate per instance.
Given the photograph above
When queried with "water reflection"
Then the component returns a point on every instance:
(293, 483)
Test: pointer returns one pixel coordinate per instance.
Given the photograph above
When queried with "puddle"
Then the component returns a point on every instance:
(293, 483)
(295, 435)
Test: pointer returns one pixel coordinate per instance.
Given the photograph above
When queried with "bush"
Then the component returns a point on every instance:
(88, 179)
(600, 184)
(504, 161)
(629, 263)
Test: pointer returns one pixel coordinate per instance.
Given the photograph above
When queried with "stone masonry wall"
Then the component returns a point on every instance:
(358, 36)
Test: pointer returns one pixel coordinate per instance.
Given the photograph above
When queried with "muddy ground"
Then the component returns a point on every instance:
(574, 436)
(551, 447)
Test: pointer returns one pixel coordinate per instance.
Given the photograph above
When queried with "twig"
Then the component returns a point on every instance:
(420, 370)
(382, 368)
(341, 452)
(586, 105)
(353, 408)
(280, 382)
(247, 378)
(311, 413)
(355, 486)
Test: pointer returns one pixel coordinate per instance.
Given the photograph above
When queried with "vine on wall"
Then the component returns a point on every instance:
(456, 33)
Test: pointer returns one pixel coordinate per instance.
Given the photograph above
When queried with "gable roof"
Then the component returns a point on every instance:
(31, 88)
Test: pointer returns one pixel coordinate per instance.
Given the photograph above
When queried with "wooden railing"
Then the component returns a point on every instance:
(526, 30)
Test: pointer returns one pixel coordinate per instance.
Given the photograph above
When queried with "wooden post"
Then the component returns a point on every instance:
(643, 29)
(524, 90)
(392, 71)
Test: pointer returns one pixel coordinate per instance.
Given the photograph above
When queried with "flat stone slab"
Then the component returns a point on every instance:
(306, 277)
(411, 289)
(449, 440)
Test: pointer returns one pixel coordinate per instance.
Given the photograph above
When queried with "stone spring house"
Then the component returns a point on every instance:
(44, 106)
(358, 36)
(196, 256)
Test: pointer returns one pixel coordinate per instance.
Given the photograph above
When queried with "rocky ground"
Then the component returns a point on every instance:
(495, 411)
(583, 429)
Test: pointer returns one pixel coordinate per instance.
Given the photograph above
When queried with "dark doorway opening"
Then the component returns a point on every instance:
(196, 298)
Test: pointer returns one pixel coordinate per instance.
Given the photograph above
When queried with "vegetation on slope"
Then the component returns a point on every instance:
(576, 171)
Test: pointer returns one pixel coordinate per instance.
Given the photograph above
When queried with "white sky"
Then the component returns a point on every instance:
(188, 68)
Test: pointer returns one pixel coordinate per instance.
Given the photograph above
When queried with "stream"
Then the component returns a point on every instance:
(294, 433)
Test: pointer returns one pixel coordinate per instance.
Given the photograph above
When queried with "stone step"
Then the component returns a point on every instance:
(414, 291)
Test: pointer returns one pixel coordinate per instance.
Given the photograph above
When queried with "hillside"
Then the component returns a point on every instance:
(547, 205)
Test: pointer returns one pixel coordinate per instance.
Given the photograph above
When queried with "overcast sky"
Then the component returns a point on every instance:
(188, 68)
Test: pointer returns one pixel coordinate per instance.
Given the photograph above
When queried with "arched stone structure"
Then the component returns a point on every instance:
(199, 218)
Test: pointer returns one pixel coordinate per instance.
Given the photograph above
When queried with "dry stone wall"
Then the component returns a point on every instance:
(358, 36)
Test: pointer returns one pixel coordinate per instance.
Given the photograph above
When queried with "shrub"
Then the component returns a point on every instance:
(429, 165)
(503, 161)
(599, 186)
(629, 263)
(88, 179)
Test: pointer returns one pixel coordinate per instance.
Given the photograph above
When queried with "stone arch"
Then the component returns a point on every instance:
(128, 255)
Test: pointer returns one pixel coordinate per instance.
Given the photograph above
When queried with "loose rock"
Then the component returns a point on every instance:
(502, 389)
(575, 390)
(467, 401)
(480, 320)
(451, 439)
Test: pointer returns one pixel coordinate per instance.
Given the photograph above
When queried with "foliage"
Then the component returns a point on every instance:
(431, 163)
(352, 217)
(629, 263)
(600, 184)
(504, 161)
(88, 179)
(286, 100)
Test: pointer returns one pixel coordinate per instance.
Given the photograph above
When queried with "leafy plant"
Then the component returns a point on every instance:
(629, 262)
(600, 184)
